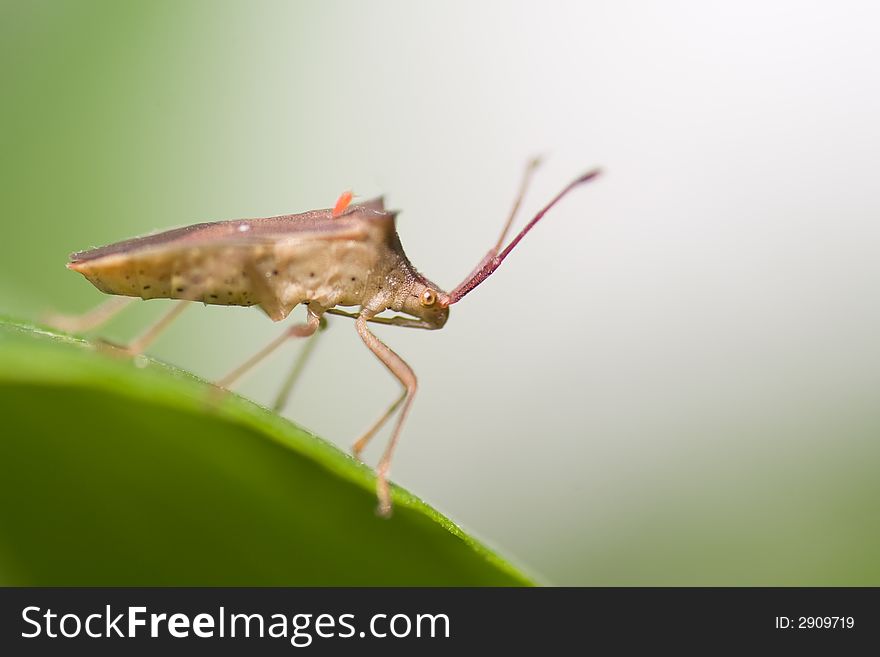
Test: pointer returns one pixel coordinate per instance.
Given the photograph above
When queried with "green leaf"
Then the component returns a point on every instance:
(121, 471)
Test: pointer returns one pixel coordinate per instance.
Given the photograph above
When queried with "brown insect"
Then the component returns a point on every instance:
(348, 256)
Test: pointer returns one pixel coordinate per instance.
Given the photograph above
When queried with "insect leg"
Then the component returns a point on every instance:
(146, 338)
(299, 364)
(100, 314)
(296, 331)
(359, 444)
(398, 367)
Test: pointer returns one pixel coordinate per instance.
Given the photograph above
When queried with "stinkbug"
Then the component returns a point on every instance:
(349, 255)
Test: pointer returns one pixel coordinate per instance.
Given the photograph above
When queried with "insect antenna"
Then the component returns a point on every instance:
(492, 260)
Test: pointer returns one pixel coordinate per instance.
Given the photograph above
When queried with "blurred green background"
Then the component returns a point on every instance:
(673, 381)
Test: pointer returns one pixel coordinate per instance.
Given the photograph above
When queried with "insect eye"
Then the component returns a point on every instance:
(428, 298)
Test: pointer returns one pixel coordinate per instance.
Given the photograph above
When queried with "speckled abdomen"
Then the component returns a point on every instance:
(275, 277)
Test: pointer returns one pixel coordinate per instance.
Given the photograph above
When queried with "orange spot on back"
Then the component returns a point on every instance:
(342, 203)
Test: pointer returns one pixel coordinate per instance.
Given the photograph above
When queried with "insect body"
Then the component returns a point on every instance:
(349, 256)
(277, 263)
